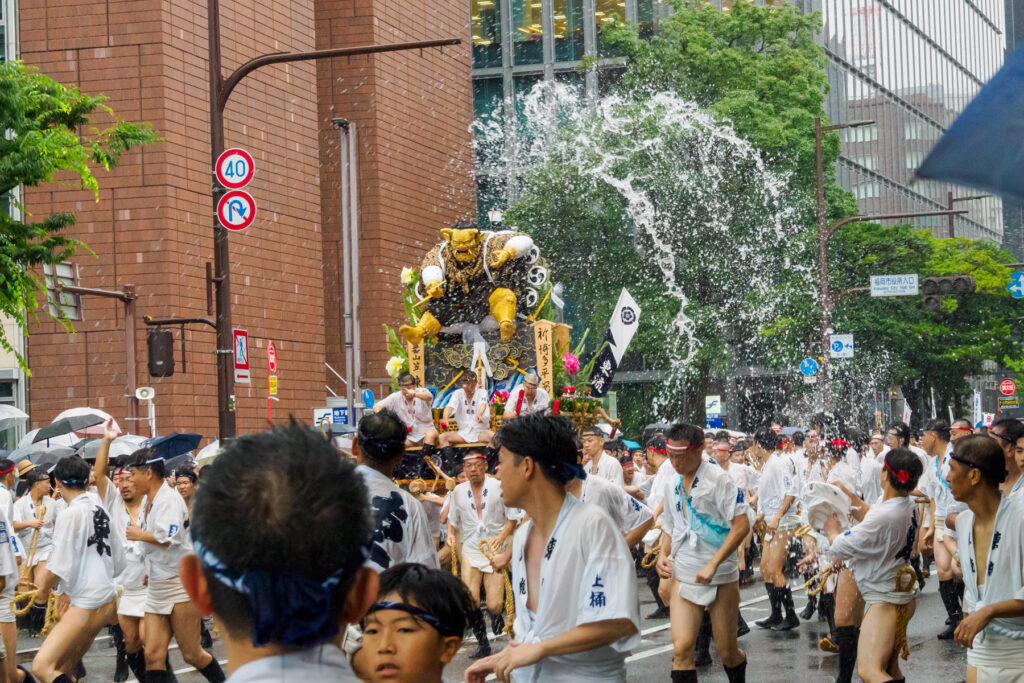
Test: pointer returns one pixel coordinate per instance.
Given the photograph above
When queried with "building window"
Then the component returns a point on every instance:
(860, 133)
(606, 11)
(865, 160)
(915, 130)
(486, 27)
(527, 33)
(914, 159)
(866, 190)
(8, 437)
(568, 30)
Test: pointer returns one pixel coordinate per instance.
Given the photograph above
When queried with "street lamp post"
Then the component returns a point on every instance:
(825, 234)
(220, 91)
(950, 200)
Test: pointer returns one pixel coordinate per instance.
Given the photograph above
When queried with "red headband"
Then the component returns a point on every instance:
(9, 469)
(684, 448)
(473, 456)
(658, 450)
(838, 443)
(722, 449)
(902, 476)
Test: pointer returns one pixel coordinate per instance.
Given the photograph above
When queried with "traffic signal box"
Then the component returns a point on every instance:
(934, 288)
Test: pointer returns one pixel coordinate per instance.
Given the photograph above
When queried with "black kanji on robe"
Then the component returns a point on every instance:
(388, 514)
(101, 531)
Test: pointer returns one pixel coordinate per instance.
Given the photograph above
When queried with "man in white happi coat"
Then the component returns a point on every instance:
(577, 614)
(633, 518)
(596, 461)
(650, 492)
(991, 550)
(478, 514)
(412, 406)
(468, 405)
(528, 399)
(778, 489)
(706, 518)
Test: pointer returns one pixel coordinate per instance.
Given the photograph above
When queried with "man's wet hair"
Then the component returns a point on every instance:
(382, 436)
(285, 504)
(986, 454)
(903, 460)
(902, 433)
(798, 438)
(656, 443)
(440, 594)
(6, 466)
(405, 378)
(188, 472)
(549, 440)
(939, 426)
(467, 375)
(72, 472)
(683, 431)
(1012, 429)
(141, 458)
(767, 439)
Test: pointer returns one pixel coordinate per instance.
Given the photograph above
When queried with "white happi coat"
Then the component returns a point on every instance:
(25, 511)
(626, 511)
(586, 576)
(870, 479)
(744, 476)
(608, 468)
(464, 411)
(540, 403)
(167, 520)
(87, 553)
(1004, 575)
(716, 498)
(779, 478)
(8, 557)
(472, 525)
(653, 487)
(875, 549)
(416, 416)
(401, 531)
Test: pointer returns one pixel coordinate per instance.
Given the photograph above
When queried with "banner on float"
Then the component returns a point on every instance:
(976, 416)
(906, 413)
(621, 329)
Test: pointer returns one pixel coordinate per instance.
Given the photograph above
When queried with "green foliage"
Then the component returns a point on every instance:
(44, 122)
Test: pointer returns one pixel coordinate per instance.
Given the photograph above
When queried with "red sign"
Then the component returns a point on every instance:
(271, 359)
(236, 210)
(241, 344)
(1007, 387)
(235, 168)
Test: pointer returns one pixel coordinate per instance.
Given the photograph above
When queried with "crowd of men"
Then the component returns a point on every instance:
(316, 565)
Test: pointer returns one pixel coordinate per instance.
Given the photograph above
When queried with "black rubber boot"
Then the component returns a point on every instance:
(741, 625)
(948, 593)
(449, 459)
(846, 639)
(775, 618)
(827, 605)
(808, 611)
(476, 622)
(702, 648)
(158, 676)
(652, 582)
(212, 672)
(915, 562)
(29, 678)
(791, 620)
(497, 623)
(36, 620)
(79, 670)
(684, 676)
(205, 638)
(738, 673)
(63, 678)
(137, 663)
(121, 670)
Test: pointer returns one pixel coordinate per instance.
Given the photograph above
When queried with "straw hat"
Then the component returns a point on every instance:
(24, 467)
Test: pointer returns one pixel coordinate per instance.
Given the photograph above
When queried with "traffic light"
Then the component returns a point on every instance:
(160, 343)
(934, 288)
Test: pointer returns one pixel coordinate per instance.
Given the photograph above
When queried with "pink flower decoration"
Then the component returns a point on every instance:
(571, 364)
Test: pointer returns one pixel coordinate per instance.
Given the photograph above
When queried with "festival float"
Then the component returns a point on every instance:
(483, 300)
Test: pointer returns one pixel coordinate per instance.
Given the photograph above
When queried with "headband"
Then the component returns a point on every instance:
(74, 482)
(417, 612)
(722, 449)
(838, 443)
(292, 609)
(380, 444)
(902, 476)
(473, 456)
(683, 448)
(658, 450)
(8, 470)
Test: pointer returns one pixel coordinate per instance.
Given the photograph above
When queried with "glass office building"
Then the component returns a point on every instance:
(910, 66)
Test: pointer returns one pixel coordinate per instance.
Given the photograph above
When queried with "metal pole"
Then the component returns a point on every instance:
(222, 282)
(346, 260)
(823, 293)
(129, 350)
(353, 232)
(949, 205)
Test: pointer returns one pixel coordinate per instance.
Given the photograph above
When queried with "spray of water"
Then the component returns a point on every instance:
(697, 201)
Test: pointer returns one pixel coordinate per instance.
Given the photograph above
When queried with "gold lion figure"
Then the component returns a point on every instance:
(470, 275)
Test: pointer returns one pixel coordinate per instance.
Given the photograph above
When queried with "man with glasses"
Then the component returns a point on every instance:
(528, 399)
(1006, 431)
(412, 406)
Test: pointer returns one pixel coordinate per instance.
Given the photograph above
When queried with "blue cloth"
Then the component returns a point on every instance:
(984, 147)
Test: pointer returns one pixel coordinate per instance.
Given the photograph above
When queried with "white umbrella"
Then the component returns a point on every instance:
(120, 447)
(68, 440)
(207, 454)
(95, 430)
(11, 416)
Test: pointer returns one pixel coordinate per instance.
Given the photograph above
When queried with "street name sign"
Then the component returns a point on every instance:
(235, 168)
(236, 210)
(894, 285)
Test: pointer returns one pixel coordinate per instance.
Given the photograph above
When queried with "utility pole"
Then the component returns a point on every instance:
(950, 200)
(825, 233)
(220, 91)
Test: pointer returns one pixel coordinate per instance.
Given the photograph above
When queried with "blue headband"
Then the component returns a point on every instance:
(417, 612)
(573, 471)
(290, 609)
(74, 482)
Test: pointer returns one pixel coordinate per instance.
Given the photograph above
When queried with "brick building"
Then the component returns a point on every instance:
(153, 228)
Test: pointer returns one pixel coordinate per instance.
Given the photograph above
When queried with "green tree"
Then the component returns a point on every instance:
(44, 123)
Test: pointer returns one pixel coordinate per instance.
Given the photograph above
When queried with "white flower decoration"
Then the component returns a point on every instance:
(394, 366)
(408, 275)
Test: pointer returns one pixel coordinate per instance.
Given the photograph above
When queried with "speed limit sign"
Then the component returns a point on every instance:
(235, 168)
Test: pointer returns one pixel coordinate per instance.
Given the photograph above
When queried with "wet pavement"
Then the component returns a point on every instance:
(788, 657)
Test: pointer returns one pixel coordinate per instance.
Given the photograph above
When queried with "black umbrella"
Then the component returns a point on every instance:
(67, 425)
(48, 457)
(174, 444)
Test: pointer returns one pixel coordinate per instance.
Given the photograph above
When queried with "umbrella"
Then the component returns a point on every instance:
(174, 444)
(120, 447)
(11, 416)
(50, 456)
(67, 425)
(68, 440)
(984, 147)
(177, 462)
(631, 445)
(96, 429)
(208, 454)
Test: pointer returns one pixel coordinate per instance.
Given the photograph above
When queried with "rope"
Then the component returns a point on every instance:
(29, 598)
(761, 529)
(455, 557)
(902, 613)
(821, 579)
(510, 604)
(651, 557)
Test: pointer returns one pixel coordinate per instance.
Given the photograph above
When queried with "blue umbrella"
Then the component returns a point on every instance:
(631, 445)
(174, 444)
(984, 147)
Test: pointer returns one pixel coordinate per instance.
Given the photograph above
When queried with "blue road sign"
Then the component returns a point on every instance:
(1016, 286)
(809, 367)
